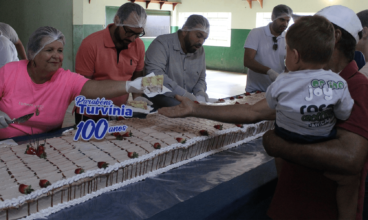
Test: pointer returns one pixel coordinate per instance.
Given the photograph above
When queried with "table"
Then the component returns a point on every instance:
(234, 184)
(237, 183)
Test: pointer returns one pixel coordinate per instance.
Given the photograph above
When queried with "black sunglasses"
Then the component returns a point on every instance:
(130, 33)
(275, 46)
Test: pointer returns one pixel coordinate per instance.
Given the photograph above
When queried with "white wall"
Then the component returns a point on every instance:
(78, 12)
(243, 17)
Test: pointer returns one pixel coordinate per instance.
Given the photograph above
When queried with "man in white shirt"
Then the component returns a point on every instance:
(265, 50)
(8, 32)
(8, 53)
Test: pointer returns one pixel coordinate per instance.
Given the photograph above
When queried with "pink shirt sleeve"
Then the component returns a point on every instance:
(77, 82)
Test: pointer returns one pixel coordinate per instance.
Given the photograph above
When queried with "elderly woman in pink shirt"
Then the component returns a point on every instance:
(42, 87)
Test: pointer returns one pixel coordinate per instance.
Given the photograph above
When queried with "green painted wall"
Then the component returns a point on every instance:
(26, 16)
(79, 33)
(147, 42)
(228, 58)
(110, 12)
(174, 29)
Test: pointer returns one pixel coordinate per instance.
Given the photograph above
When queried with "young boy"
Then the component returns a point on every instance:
(308, 99)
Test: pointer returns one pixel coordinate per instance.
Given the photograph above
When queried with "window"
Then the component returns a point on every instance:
(263, 18)
(158, 23)
(220, 27)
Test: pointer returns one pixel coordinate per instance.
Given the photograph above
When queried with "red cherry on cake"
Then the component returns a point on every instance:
(127, 134)
(30, 150)
(258, 91)
(44, 183)
(196, 102)
(25, 189)
(239, 125)
(41, 151)
(237, 103)
(79, 171)
(239, 97)
(219, 127)
(132, 154)
(157, 146)
(41, 154)
(247, 93)
(203, 132)
(181, 140)
(116, 134)
(231, 98)
(102, 165)
(41, 147)
(221, 100)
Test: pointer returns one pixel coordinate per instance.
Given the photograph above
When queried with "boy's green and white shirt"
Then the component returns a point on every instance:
(308, 102)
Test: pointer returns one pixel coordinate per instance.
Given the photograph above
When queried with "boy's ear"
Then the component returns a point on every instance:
(365, 33)
(296, 56)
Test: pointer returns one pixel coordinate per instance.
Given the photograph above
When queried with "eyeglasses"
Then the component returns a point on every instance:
(130, 33)
(275, 46)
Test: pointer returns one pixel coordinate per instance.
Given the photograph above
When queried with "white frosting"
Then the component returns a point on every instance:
(91, 173)
(45, 212)
(165, 132)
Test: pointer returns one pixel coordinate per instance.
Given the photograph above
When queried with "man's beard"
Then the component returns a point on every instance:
(123, 44)
(277, 28)
(189, 47)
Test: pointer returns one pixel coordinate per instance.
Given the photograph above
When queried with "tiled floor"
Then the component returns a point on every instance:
(219, 85)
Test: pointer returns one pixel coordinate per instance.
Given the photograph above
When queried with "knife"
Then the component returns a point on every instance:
(20, 119)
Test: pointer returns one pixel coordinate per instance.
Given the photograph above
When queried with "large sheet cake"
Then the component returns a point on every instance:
(64, 156)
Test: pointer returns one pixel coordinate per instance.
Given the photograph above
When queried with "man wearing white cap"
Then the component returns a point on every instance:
(180, 57)
(9, 32)
(265, 51)
(303, 192)
(115, 53)
(362, 45)
(302, 188)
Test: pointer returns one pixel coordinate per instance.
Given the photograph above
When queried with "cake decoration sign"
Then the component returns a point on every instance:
(89, 129)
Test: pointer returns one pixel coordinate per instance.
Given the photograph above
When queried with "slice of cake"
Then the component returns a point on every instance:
(153, 84)
(138, 104)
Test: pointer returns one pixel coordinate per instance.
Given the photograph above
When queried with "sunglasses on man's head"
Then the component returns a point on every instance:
(275, 46)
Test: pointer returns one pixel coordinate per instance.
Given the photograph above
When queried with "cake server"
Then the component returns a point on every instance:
(21, 119)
